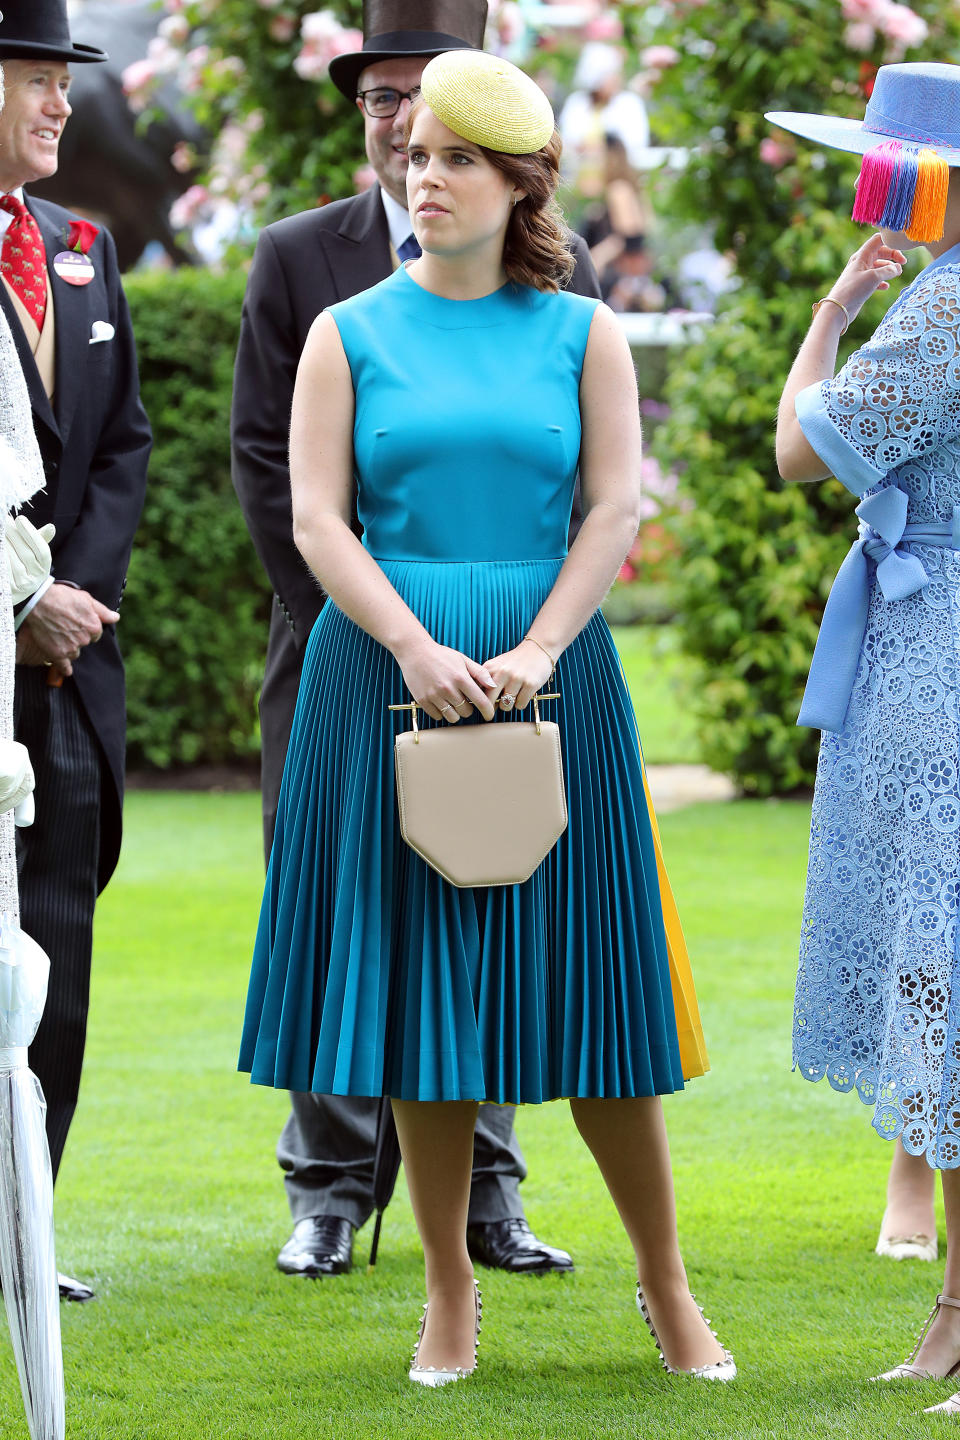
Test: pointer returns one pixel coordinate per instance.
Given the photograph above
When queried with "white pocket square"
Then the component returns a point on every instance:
(102, 330)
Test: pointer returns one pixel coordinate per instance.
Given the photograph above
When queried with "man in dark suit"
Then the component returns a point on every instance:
(72, 329)
(303, 264)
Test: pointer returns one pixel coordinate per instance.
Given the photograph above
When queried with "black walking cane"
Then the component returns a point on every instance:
(386, 1168)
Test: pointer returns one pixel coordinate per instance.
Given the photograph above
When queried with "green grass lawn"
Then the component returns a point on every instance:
(171, 1203)
(658, 676)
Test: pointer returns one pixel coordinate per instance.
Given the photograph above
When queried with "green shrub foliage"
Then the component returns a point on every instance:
(195, 614)
(759, 555)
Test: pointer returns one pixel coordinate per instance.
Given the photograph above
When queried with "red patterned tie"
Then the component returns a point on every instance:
(23, 259)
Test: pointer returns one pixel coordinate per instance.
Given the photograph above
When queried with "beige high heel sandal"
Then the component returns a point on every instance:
(946, 1407)
(909, 1371)
(430, 1374)
(725, 1369)
(906, 1247)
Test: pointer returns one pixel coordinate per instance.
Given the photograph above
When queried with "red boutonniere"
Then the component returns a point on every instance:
(82, 235)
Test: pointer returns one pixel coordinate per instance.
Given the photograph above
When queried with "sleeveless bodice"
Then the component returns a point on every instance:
(372, 975)
(467, 428)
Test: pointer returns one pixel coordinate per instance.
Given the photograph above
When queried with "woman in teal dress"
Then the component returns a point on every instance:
(459, 397)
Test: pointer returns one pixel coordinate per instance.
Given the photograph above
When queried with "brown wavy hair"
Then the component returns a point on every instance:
(536, 249)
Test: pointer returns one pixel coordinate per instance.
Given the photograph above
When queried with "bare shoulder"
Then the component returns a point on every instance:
(607, 352)
(323, 350)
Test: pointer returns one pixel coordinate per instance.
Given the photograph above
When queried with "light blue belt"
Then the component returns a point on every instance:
(883, 529)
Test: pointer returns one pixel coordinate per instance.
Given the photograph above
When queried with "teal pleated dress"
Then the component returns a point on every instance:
(371, 974)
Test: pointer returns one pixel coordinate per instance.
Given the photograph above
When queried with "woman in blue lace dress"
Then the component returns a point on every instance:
(878, 988)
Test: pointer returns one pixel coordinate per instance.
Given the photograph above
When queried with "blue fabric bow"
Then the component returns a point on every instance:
(883, 529)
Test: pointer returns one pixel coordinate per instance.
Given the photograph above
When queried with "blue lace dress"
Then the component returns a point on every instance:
(876, 1004)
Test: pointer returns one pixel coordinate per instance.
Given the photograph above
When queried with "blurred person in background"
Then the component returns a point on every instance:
(600, 106)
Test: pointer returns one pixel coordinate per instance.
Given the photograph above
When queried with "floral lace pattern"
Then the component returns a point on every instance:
(875, 1005)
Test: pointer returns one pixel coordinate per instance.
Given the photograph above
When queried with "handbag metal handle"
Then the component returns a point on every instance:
(413, 707)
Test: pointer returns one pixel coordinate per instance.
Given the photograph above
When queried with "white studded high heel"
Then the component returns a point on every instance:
(430, 1374)
(909, 1371)
(725, 1369)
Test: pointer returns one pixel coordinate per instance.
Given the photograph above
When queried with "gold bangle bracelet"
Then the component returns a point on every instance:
(546, 652)
(829, 300)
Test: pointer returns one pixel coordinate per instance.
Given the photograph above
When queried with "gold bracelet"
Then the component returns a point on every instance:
(829, 300)
(546, 652)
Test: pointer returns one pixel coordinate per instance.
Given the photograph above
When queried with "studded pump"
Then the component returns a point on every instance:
(725, 1369)
(432, 1375)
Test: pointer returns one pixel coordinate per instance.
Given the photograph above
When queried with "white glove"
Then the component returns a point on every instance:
(16, 774)
(28, 556)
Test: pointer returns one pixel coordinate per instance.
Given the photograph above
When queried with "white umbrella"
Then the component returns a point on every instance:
(28, 1267)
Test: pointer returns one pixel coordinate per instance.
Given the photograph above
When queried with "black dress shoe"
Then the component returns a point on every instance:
(511, 1245)
(319, 1245)
(74, 1290)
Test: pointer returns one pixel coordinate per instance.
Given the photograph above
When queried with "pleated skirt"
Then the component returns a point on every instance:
(374, 976)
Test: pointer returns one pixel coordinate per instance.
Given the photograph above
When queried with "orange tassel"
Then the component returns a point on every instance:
(930, 198)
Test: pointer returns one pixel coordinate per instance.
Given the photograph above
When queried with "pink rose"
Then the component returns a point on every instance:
(282, 28)
(175, 29)
(138, 81)
(321, 25)
(659, 57)
(344, 43)
(310, 64)
(185, 210)
(606, 27)
(183, 158)
(774, 154)
(860, 35)
(902, 24)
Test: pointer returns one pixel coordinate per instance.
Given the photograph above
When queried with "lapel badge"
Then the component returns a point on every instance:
(73, 267)
(74, 264)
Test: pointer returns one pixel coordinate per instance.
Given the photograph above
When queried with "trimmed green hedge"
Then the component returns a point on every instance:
(197, 605)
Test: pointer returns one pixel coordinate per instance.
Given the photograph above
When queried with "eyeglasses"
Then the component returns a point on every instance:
(383, 103)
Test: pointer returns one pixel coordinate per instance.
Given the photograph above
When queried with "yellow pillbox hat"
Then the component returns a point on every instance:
(488, 100)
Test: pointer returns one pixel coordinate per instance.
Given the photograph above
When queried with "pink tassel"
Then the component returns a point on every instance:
(873, 186)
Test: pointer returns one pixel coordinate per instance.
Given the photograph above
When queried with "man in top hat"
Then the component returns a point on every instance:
(60, 291)
(303, 264)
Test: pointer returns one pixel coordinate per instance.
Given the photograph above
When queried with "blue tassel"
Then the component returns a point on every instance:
(899, 206)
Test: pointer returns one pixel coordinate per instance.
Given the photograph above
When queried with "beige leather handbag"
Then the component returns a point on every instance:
(482, 804)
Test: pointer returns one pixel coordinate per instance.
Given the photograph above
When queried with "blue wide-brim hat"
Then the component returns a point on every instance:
(909, 138)
(918, 104)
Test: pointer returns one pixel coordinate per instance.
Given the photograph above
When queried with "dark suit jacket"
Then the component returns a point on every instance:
(95, 443)
(302, 265)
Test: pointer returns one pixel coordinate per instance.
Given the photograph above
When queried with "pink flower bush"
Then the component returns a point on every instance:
(323, 39)
(901, 27)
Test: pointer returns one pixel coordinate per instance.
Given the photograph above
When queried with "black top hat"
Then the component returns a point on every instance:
(396, 29)
(38, 30)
